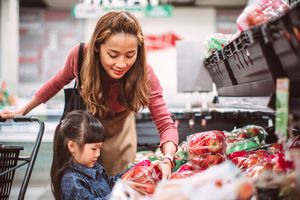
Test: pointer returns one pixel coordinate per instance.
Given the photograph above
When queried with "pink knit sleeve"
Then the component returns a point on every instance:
(159, 111)
(64, 76)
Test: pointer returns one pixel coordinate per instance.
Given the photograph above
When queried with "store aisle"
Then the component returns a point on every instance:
(37, 192)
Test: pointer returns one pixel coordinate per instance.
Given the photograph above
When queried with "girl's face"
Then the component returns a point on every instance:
(88, 155)
(118, 54)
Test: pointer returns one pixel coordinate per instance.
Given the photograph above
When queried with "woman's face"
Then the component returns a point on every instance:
(118, 54)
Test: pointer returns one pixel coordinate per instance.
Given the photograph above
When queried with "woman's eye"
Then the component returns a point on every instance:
(131, 56)
(112, 56)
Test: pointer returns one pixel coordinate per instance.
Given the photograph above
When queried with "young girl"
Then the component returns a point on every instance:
(75, 172)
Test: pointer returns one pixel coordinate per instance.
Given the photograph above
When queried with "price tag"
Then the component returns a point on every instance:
(282, 108)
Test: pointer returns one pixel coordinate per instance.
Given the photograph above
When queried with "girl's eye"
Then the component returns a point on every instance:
(96, 148)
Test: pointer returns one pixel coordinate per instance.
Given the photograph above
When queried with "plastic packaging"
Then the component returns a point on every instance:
(143, 177)
(206, 148)
(258, 12)
(216, 41)
(247, 138)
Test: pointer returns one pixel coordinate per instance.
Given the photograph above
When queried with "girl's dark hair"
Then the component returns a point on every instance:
(80, 127)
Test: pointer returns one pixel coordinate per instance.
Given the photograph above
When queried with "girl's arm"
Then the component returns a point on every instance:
(113, 179)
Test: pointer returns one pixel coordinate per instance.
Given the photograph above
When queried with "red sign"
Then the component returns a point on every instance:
(159, 42)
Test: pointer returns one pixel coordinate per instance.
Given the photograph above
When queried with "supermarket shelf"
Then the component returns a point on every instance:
(250, 64)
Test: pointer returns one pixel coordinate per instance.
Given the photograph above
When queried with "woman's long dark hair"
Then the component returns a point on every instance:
(135, 87)
(80, 127)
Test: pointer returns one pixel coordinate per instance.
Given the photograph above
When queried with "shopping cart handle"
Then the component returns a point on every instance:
(25, 119)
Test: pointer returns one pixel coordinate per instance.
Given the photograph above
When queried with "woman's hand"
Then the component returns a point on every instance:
(165, 167)
(7, 114)
(168, 149)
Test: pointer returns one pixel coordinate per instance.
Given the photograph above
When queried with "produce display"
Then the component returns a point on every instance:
(201, 163)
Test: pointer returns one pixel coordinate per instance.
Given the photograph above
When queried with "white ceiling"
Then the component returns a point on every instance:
(60, 4)
(67, 4)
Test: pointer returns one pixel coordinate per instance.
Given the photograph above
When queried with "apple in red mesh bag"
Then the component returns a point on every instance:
(185, 170)
(253, 131)
(186, 167)
(207, 142)
(179, 175)
(276, 148)
(204, 161)
(214, 159)
(215, 145)
(242, 134)
(143, 177)
(199, 161)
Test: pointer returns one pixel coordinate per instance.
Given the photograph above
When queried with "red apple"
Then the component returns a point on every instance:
(214, 159)
(214, 145)
(186, 167)
(178, 175)
(242, 134)
(253, 131)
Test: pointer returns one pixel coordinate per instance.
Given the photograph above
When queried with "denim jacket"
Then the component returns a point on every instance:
(81, 182)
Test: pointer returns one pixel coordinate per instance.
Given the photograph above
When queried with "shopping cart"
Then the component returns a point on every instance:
(10, 160)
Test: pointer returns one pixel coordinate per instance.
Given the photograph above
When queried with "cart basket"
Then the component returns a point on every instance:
(10, 160)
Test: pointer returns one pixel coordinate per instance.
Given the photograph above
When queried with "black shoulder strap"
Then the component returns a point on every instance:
(79, 63)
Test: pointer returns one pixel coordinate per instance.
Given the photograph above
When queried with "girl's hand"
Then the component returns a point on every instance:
(7, 114)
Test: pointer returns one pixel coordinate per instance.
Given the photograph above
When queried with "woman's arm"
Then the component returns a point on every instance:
(50, 88)
(161, 116)
(167, 129)
(64, 76)
(34, 102)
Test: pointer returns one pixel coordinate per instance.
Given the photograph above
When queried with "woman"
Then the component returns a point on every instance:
(116, 83)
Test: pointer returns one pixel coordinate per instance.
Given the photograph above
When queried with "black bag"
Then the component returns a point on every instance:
(73, 100)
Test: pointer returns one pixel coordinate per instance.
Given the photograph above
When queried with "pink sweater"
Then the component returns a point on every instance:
(159, 112)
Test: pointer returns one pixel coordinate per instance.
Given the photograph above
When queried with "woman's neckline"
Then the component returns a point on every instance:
(114, 81)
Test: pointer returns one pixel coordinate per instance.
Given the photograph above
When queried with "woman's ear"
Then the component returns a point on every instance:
(71, 146)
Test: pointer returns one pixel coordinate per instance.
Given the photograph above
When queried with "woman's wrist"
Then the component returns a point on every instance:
(169, 148)
(168, 159)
